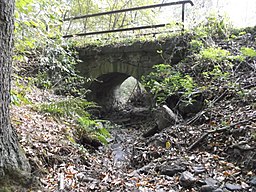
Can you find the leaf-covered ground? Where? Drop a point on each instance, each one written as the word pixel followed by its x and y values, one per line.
pixel 213 150
pixel 167 161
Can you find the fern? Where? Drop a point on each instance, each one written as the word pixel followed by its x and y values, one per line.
pixel 94 128
pixel 76 109
pixel 72 107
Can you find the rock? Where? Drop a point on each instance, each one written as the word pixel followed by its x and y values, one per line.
pixel 253 181
pixel 158 140
pixel 81 177
pixel 187 109
pixel 198 169
pixel 151 132
pixel 89 141
pixel 187 179
pixel 165 117
pixel 171 170
pixel 207 188
pixel 233 187
pixel 212 182
pixel 244 185
pixel 173 100
pixel 218 190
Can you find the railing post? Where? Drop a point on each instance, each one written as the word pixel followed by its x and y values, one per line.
pixel 183 2
pixel 183 17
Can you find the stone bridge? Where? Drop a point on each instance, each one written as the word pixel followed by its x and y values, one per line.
pixel 110 65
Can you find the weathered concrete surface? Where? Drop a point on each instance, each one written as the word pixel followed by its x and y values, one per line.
pixel 112 64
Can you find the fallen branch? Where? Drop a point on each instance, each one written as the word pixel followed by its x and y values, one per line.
pixel 198 141
pixel 171 114
pixel 193 145
pixel 199 114
pixel 242 148
pixel 145 168
pixel 195 118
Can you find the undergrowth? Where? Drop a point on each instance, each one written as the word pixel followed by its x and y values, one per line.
pixel 165 81
pixel 75 111
pixel 208 67
pixel 40 50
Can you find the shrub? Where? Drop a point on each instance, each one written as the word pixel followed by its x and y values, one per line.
pixel 165 81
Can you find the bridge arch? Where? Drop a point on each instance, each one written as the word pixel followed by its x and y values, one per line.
pixel 111 65
pixel 103 88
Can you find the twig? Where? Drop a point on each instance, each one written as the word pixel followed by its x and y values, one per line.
pixel 217 131
pixel 198 141
pixel 199 114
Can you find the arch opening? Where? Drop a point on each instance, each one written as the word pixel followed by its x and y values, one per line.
pixel 115 90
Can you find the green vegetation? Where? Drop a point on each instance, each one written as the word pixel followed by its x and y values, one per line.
pixel 56 70
pixel 215 27
pixel 22 87
pixel 248 52
pixel 71 107
pixel 36 22
pixel 108 22
pixel 165 81
pixel 39 43
pixel 214 54
pixel 211 92
pixel 18 98
pixel 206 67
pixel 74 111
pixel 95 128
pixel 254 135
pixel 39 46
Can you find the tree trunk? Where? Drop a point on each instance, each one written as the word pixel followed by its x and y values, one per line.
pixel 13 164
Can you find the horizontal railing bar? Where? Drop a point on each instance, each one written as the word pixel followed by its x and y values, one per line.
pixel 116 30
pixel 129 9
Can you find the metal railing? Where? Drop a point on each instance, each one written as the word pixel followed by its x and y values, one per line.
pixel 126 10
